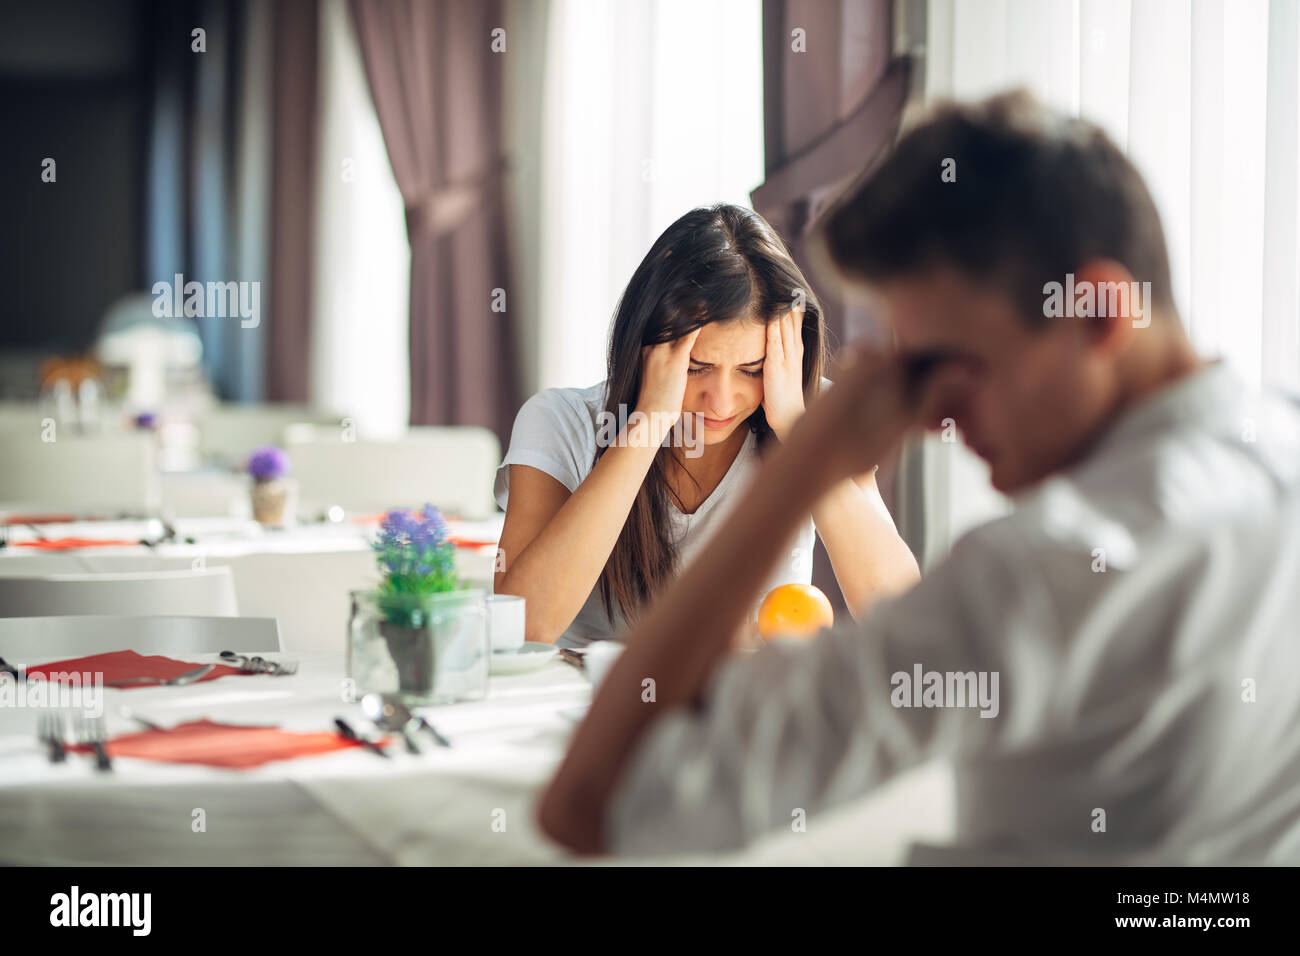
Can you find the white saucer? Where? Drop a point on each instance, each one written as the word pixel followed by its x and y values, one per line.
pixel 527 657
pixel 574 715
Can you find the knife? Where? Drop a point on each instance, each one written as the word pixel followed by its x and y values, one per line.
pixel 346 730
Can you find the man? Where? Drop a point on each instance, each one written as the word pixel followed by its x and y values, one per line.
pixel 1111 667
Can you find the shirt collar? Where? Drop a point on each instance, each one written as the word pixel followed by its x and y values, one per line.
pixel 1212 394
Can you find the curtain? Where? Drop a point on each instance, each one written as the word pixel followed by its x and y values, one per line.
pixel 1204 98
pixel 832 101
pixel 649 108
pixel 833 97
pixel 293 192
pixel 435 70
pixel 359 352
pixel 208 168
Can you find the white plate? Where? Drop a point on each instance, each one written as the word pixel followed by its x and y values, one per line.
pixel 528 657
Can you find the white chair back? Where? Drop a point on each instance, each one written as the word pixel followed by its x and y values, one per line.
pixel 229 433
pixel 206 593
pixel 451 467
pixel 85 475
pixel 26 640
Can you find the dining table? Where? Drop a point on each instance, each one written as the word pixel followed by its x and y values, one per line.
pixel 301 575
pixel 472 803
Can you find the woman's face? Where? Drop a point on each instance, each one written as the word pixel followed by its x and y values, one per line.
pixel 725 380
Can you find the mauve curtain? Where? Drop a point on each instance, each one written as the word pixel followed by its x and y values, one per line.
pixel 828 109
pixel 296 122
pixel 438 85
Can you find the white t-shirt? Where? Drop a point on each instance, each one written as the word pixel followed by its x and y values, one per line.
pixel 555 432
pixel 1140 612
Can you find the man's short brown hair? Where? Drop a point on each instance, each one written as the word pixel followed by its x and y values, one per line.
pixel 1035 194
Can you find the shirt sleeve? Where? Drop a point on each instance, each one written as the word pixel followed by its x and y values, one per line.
pixel 806 727
pixel 554 433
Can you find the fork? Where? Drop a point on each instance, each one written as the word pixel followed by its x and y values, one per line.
pixel 90 730
pixel 49 728
pixel 260 665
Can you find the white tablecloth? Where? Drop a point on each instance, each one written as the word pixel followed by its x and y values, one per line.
pixel 472 804
pixel 300 576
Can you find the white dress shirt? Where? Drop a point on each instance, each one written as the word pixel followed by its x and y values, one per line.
pixel 1141 613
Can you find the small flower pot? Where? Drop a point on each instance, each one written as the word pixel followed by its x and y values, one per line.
pixel 274 501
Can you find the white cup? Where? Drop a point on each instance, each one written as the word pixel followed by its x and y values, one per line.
pixel 599 657
pixel 505 622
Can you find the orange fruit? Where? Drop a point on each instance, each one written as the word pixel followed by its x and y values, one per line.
pixel 794 610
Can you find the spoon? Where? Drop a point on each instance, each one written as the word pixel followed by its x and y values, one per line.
pixel 388 711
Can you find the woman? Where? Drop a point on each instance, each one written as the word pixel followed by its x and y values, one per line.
pixel 609 490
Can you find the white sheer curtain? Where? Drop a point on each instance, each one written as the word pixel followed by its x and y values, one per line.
pixel 359 349
pixel 1205 99
pixel 650 107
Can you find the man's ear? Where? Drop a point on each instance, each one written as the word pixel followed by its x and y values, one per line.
pixel 1116 301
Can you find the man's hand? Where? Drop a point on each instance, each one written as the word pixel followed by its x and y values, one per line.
pixel 873 403
pixel 858 420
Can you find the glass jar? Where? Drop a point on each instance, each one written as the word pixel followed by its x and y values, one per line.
pixel 430 648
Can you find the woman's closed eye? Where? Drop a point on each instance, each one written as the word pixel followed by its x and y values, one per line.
pixel 751 372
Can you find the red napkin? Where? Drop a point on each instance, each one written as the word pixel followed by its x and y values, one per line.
pixel 459 541
pixel 230 746
pixel 68 544
pixel 59 518
pixel 472 542
pixel 119 665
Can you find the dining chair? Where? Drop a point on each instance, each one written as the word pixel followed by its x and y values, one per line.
pixel 228 433
pixel 452 467
pixel 34 638
pixel 209 592
pixel 112 475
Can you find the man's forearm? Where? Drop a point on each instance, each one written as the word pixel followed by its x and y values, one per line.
pixel 680 640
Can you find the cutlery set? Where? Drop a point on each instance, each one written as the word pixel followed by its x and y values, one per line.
pixel 387 712
pixel 260 665
pixel 53 727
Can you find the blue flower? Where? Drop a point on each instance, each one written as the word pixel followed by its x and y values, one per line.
pixel 414 552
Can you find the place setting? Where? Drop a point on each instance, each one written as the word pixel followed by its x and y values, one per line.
pixel 127 669
pixel 202 741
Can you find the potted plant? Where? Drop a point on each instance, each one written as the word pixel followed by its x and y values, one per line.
pixel 431 627
pixel 273 490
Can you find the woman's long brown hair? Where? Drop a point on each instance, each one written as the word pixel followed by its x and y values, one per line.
pixel 714 264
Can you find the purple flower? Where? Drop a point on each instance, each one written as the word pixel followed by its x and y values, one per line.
pixel 146 420
pixel 415 553
pixel 267 463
